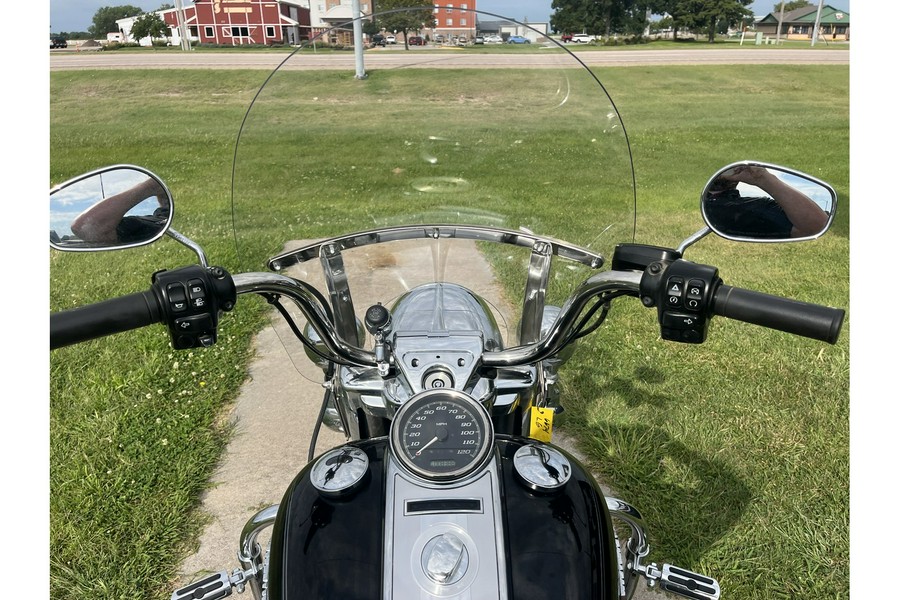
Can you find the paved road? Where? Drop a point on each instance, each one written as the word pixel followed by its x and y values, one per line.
pixel 392 59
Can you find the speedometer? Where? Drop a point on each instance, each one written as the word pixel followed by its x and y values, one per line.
pixel 442 435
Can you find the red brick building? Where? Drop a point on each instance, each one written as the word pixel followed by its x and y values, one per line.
pixel 452 19
pixel 240 22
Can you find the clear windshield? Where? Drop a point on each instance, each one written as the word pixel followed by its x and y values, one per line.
pixel 501 136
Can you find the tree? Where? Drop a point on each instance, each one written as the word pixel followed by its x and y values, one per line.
pixel 105 19
pixel 673 9
pixel 370 27
pixel 568 16
pixel 708 13
pixel 599 17
pixel 149 25
pixel 661 24
pixel 407 20
pixel 789 6
pixel 702 15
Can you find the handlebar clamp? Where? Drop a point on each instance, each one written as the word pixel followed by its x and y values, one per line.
pixel 191 299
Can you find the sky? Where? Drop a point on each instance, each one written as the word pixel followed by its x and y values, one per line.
pixel 77 15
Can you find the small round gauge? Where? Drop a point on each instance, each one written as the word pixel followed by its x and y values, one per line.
pixel 442 435
pixel 541 467
pixel 339 471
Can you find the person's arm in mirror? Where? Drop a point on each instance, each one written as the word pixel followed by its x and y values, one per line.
pixel 805 215
pixel 102 222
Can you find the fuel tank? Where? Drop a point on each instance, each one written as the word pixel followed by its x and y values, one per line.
pixel 555 543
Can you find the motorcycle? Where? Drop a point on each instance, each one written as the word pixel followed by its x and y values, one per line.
pixel 449 484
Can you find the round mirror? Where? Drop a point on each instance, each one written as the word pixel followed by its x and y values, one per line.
pixel 767 203
pixel 116 207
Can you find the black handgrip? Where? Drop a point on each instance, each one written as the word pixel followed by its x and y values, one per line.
pixel 104 318
pixel 791 316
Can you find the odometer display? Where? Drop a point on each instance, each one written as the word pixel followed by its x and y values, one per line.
pixel 441 435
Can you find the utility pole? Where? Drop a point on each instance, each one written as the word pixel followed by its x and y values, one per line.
pixel 358 40
pixel 780 21
pixel 182 28
pixel 818 19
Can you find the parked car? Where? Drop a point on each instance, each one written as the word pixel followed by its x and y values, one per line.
pixel 517 39
pixel 439 38
pixel 390 39
pixel 566 38
pixel 493 39
pixel 583 38
pixel 462 40
pixel 479 39
pixel 378 40
pixel 58 42
pixel 416 40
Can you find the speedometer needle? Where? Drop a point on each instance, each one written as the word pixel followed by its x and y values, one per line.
pixel 422 449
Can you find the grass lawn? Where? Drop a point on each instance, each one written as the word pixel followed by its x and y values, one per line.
pixel 736 451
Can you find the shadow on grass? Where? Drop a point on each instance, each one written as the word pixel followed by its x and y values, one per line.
pixel 689 499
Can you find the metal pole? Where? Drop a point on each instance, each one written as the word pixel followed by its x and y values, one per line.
pixel 818 18
pixel 358 40
pixel 182 28
pixel 780 21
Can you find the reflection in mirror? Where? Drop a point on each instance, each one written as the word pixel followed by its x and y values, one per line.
pixel 759 202
pixel 115 207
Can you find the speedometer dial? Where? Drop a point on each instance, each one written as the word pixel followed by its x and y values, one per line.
pixel 442 435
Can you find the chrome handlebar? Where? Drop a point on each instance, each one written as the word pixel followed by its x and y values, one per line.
pixel 555 340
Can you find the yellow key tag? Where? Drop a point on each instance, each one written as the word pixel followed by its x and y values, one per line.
pixel 541 424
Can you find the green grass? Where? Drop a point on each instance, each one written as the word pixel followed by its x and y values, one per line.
pixel 735 450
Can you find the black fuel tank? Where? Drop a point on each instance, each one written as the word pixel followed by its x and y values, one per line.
pixel 330 547
pixel 561 544
pixel 558 545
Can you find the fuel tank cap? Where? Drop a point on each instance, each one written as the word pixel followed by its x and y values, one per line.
pixel 339 471
pixel 541 468
pixel 445 559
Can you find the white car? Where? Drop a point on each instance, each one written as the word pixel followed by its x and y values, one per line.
pixel 583 38
pixel 390 39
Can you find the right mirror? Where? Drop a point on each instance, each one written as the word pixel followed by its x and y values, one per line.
pixel 757 202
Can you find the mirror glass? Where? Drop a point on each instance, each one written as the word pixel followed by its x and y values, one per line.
pixel 116 207
pixel 759 202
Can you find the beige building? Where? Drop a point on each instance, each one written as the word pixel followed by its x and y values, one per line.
pixel 799 24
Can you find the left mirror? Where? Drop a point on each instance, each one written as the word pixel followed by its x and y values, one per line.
pixel 116 207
